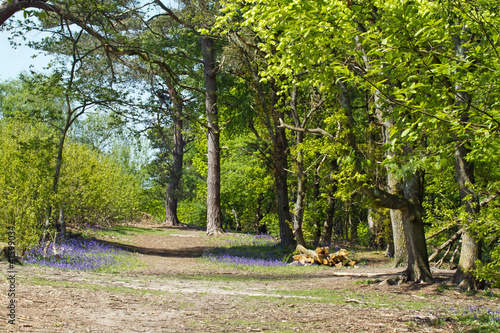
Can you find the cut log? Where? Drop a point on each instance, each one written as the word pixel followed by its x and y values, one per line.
pixel 303 250
pixel 299 256
pixel 322 256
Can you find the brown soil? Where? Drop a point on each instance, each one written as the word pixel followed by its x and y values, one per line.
pixel 176 292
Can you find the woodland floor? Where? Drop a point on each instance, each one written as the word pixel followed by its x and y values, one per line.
pixel 176 292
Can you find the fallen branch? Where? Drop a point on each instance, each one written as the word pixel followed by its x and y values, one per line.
pixel 439 231
pixel 449 242
pixel 352 300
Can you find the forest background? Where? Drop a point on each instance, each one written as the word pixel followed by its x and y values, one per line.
pixel 317 121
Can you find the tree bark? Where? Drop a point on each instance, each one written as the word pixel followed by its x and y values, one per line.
pixel 471 249
pixel 214 213
pixel 10 7
pixel 280 179
pixel 171 198
pixel 298 211
pixel 464 174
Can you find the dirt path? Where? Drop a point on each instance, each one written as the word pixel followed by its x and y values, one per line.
pixel 175 292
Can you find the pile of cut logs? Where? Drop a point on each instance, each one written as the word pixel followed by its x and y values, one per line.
pixel 322 256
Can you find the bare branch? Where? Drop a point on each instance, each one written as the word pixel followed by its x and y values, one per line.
pixel 314 131
pixel 486 201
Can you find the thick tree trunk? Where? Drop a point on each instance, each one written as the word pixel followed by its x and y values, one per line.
pixel 471 249
pixel 464 174
pixel 280 145
pixel 418 264
pixel 270 116
pixel 398 238
pixel 409 202
pixel 280 179
pixel 400 252
pixel 214 213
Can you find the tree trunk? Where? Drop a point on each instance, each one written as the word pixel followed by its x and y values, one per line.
pixel 171 199
pixel 57 174
pixel 418 263
pixel 409 202
pixel 280 145
pixel 471 249
pixel 378 239
pixel 62 223
pixel 464 174
pixel 258 215
pixel 326 235
pixel 298 211
pixel 316 198
pixel 214 213
pixel 236 219
pixel 280 179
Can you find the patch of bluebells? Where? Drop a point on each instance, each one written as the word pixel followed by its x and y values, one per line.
pixel 259 250
pixel 74 253
pixel 478 314
pixel 227 258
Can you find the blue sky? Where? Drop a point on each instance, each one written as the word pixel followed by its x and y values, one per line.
pixel 14 61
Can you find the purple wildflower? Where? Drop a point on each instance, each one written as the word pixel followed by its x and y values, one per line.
pixel 74 253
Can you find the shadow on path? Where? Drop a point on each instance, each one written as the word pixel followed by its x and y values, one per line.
pixel 186 252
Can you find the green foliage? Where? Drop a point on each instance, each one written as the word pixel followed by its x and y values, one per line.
pixel 93 189
pixel 25 179
pixel 35 97
pixel 413 61
pixel 363 234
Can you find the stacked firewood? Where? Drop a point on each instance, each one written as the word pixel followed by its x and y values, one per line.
pixel 322 256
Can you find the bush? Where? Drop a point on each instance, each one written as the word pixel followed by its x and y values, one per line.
pixel 92 188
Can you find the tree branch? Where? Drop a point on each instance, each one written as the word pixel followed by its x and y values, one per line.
pixel 314 131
